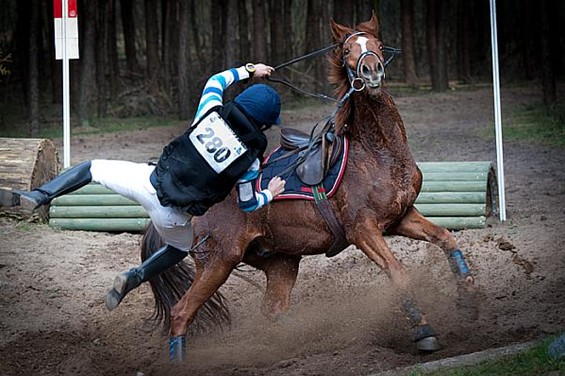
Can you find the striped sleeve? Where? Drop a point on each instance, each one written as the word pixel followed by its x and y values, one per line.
pixel 248 198
pixel 212 95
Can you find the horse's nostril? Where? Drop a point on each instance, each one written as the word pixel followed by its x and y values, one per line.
pixel 365 70
pixel 380 68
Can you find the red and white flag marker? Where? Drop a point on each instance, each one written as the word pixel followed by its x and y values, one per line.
pixel 66 47
pixel 66 29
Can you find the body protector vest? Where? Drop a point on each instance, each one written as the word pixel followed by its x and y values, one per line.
pixel 199 168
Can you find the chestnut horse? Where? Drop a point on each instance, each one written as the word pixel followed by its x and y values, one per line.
pixel 376 195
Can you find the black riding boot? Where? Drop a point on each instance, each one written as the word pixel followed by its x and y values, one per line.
pixel 69 181
pixel 157 263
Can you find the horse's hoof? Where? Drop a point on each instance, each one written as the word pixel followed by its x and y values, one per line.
pixel 428 344
pixel 284 319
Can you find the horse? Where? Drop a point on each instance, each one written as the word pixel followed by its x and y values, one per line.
pixel 375 198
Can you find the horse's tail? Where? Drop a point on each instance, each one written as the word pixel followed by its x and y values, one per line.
pixel 169 286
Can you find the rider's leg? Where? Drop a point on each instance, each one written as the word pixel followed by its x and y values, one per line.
pixel 132 180
pixel 157 263
pixel 174 227
pixel 70 180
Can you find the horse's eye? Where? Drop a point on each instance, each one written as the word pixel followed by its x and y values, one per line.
pixel 381 47
pixel 346 52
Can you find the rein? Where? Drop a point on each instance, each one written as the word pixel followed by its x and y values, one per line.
pixel 353 80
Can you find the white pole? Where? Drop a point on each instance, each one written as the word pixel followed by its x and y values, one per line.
pixel 66 94
pixel 497 115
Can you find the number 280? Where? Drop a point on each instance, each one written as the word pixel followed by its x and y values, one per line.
pixel 214 145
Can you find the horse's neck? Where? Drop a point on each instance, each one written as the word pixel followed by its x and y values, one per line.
pixel 376 123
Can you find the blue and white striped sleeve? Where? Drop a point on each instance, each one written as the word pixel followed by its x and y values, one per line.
pixel 248 198
pixel 212 95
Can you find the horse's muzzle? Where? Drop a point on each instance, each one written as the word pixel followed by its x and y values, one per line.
pixel 372 71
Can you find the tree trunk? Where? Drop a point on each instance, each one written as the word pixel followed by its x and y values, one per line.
pixel 442 28
pixel 101 62
pixel 314 42
pixel 55 77
pixel 26 163
pixel 277 31
pixel 436 49
pixel 244 43
pixel 363 10
pixel 464 41
pixel 197 40
pixel 33 83
pixel 218 16
pixel 288 40
pixel 547 69
pixel 260 31
pixel 184 61
pixel 231 56
pixel 112 48
pixel 169 21
pixel 408 52
pixel 344 12
pixel 128 25
pixel 87 77
pixel 152 46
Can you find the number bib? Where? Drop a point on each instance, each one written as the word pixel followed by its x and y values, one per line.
pixel 216 142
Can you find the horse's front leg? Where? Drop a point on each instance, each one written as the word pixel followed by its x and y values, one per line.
pixel 368 237
pixel 414 225
pixel 208 279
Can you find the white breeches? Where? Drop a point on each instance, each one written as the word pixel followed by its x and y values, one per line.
pixel 131 180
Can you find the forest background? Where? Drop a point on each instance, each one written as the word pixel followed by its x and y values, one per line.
pixel 150 58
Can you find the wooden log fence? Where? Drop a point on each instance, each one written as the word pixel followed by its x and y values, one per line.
pixel 455 195
pixel 458 195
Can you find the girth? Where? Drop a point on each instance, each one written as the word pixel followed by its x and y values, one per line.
pixel 325 208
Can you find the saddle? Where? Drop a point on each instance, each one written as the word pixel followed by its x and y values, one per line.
pixel 318 153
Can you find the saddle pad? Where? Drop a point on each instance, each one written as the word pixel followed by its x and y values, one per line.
pixel 294 188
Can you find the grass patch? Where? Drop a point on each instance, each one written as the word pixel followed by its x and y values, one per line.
pixel 533 361
pixel 537 124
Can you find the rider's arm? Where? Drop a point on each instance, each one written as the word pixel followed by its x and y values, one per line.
pixel 212 95
pixel 213 92
pixel 248 198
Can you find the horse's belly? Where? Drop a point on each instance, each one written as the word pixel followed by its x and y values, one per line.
pixel 298 231
pixel 301 241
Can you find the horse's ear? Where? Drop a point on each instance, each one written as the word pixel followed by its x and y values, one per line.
pixel 371 26
pixel 339 31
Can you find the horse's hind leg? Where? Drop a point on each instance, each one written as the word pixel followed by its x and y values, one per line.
pixel 281 272
pixel 414 225
pixel 208 279
pixel 368 237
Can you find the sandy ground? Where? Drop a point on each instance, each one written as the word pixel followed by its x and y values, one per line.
pixel 345 318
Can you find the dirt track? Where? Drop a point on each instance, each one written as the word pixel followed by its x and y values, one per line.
pixel 346 321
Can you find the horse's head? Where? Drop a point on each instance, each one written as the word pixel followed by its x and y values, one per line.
pixel 358 60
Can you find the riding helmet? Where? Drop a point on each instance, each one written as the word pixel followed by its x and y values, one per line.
pixel 262 103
